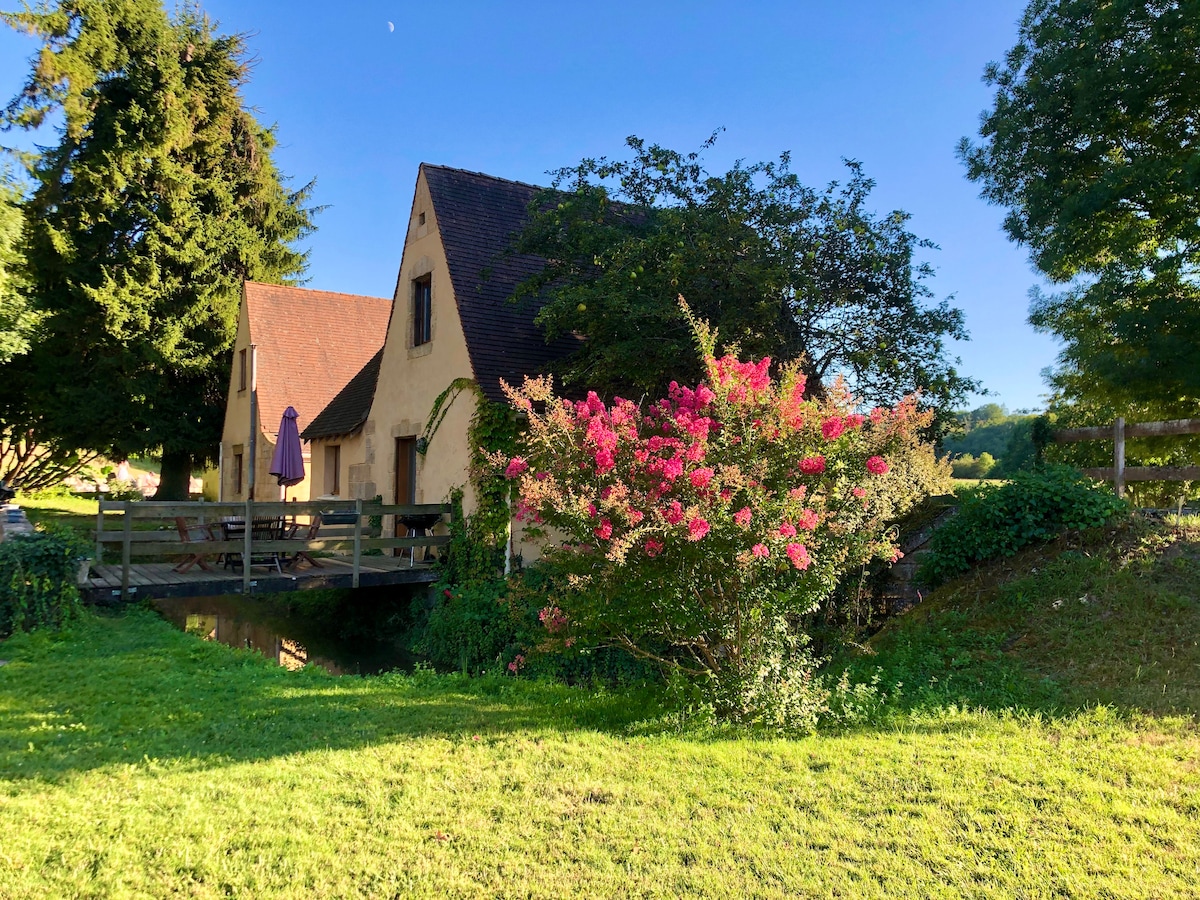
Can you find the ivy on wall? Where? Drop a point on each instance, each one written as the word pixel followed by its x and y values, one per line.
pixel 477 543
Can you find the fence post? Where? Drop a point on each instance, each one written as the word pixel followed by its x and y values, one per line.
pixel 247 548
pixel 1119 456
pixel 126 543
pixel 99 530
pixel 358 512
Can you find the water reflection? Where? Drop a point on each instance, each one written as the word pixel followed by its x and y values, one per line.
pixel 291 639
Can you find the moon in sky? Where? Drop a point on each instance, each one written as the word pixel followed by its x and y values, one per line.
pixel 391 27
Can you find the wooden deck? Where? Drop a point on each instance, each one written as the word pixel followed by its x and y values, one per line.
pixel 154 580
pixel 349 530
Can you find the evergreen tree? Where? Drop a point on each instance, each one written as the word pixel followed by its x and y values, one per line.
pixel 16 320
pixel 159 199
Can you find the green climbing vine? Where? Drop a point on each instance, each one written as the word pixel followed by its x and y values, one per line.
pixel 477 543
pixel 441 405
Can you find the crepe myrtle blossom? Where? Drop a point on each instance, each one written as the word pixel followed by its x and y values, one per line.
pixel 877 465
pixel 740 499
pixel 697 528
pixel 812 465
pixel 798 554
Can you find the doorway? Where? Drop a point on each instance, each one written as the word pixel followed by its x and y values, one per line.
pixel 405 481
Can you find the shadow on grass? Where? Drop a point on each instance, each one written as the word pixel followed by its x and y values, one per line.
pixel 132 690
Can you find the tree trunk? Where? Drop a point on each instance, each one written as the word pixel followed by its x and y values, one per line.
pixel 175 477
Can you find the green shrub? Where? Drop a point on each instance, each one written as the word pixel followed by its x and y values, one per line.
pixel 998 520
pixel 967 466
pixel 473 628
pixel 38 581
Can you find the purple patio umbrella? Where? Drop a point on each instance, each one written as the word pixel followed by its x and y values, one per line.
pixel 287 464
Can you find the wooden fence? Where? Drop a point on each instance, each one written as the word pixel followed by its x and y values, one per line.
pixel 331 537
pixel 1118 474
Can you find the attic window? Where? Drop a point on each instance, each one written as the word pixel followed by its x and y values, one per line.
pixel 420 218
pixel 241 370
pixel 422 310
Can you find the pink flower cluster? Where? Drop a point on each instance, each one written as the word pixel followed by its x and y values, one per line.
pixel 553 618
pixel 751 471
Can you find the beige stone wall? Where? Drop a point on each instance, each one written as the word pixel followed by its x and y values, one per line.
pixel 355 480
pixel 411 378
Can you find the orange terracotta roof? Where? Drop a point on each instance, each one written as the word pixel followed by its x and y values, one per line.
pixel 310 344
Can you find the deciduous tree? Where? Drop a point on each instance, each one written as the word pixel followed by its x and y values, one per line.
pixel 1092 146
pixel 783 271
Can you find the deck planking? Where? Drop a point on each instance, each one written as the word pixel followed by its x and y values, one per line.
pixel 157 580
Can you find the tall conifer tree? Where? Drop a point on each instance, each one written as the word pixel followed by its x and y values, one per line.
pixel 159 199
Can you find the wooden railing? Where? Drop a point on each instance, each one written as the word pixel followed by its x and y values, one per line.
pixel 331 536
pixel 1118 474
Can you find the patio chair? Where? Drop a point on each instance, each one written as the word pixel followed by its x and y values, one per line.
pixel 269 529
pixel 192 534
pixel 310 535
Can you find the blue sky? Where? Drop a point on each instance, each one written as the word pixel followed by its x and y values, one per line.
pixel 516 90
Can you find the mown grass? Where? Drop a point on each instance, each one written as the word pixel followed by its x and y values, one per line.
pixel 139 761
pixel 1111 617
pixel 78 513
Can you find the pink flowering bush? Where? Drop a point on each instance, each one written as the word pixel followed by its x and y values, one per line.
pixel 702 529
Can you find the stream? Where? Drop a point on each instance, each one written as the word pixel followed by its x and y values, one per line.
pixel 345 637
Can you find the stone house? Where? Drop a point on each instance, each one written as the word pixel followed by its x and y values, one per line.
pixel 452 318
pixel 307 346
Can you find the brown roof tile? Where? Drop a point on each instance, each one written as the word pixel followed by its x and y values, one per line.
pixel 348 411
pixel 478 216
pixel 310 345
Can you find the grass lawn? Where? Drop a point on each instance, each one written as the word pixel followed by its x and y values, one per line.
pixel 137 761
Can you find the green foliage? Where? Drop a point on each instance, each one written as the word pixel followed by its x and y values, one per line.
pixel 1091 145
pixel 470 556
pixel 494 429
pixel 16 319
pixel 38 580
pixel 782 270
pixel 491 624
pixel 472 629
pixel 967 466
pixel 156 201
pixel 998 520
pixel 990 430
pixel 476 549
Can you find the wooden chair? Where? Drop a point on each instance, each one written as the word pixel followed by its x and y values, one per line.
pixel 268 529
pixel 191 534
pixel 311 535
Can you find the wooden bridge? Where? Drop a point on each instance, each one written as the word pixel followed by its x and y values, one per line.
pixel 205 561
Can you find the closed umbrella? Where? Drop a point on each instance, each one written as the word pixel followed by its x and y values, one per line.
pixel 287 464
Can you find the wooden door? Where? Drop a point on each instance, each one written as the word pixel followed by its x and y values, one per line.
pixel 406 481
pixel 406 471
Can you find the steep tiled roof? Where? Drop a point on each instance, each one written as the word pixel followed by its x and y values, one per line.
pixel 347 412
pixel 310 345
pixel 478 216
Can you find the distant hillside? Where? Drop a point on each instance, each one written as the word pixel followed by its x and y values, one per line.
pixel 991 430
